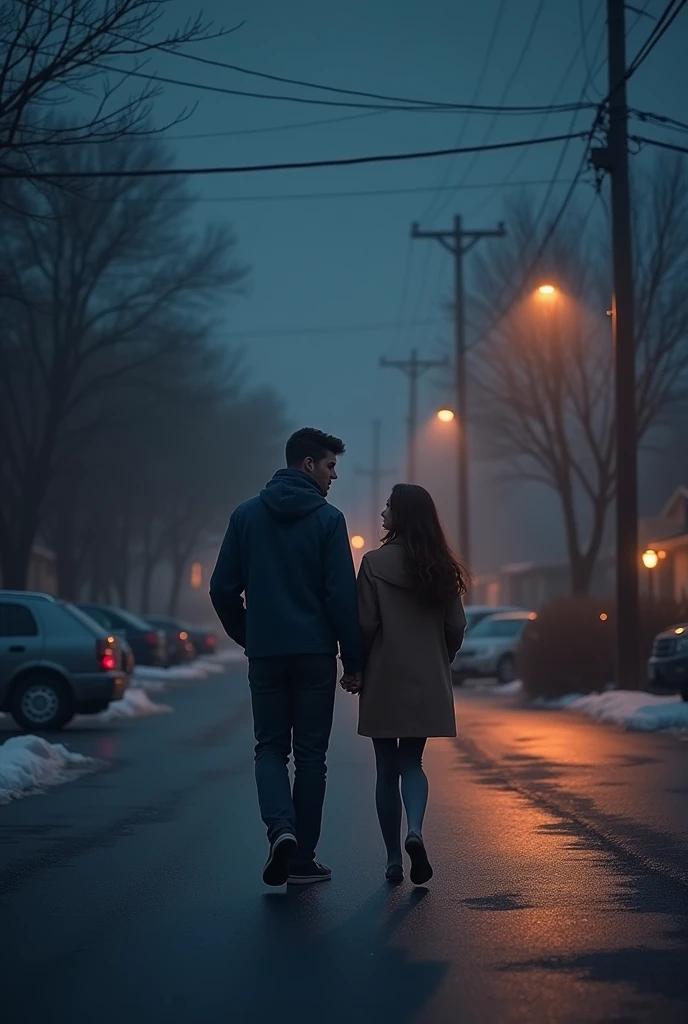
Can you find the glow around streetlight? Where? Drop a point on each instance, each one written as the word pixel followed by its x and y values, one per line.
pixel 547 290
pixel 650 559
pixel 357 542
pixel 446 415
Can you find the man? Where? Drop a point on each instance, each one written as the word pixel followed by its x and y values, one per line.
pixel 284 589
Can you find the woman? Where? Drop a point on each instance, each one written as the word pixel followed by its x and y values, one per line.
pixel 413 624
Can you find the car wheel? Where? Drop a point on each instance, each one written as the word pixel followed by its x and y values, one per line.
pixel 506 669
pixel 42 703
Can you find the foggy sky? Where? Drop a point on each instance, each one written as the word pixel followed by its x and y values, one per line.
pixel 349 261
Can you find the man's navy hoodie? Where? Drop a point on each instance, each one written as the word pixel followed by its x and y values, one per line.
pixel 284 582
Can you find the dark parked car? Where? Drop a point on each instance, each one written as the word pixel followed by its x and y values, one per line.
pixel 668 665
pixel 180 647
pixel 148 643
pixel 55 662
pixel 203 640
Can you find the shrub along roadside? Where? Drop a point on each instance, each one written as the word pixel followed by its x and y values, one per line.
pixel 570 647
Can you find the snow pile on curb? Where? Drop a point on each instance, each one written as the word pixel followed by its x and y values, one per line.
pixel 29 764
pixel 134 704
pixel 202 668
pixel 631 709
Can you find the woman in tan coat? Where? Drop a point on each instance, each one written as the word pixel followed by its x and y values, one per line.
pixel 413 622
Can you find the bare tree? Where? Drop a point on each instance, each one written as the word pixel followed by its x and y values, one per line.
pixel 102 285
pixel 544 374
pixel 53 51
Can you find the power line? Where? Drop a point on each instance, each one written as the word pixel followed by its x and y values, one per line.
pixel 474 97
pixel 296 165
pixel 505 92
pixel 664 23
pixel 207 61
pixel 659 119
pixel 309 101
pixel 562 82
pixel 356 193
pixel 661 145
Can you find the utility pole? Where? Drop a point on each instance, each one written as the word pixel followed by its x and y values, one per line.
pixel 376 474
pixel 458 242
pixel 614 159
pixel 414 368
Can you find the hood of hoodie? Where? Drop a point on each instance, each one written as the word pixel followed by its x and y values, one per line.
pixel 388 564
pixel 292 495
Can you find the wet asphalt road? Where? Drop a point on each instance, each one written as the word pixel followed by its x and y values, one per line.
pixel 560 895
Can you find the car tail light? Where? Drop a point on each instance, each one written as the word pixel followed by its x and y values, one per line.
pixel 152 639
pixel 211 640
pixel 105 652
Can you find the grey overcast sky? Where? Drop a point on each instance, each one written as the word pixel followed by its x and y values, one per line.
pixel 346 262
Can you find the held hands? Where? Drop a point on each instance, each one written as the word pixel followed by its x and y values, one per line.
pixel 352 682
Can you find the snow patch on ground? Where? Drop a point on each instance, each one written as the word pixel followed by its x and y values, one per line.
pixel 202 668
pixel 29 765
pixel 635 710
pixel 134 704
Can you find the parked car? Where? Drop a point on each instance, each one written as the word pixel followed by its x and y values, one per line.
pixel 55 662
pixel 668 665
pixel 475 613
pixel 489 650
pixel 180 647
pixel 203 640
pixel 148 643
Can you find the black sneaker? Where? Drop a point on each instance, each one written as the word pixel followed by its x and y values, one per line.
pixel 305 874
pixel 421 870
pixel 282 850
pixel 395 874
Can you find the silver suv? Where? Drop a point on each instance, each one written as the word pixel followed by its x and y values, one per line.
pixel 55 662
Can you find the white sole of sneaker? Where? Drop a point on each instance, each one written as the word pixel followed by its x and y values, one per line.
pixel 302 880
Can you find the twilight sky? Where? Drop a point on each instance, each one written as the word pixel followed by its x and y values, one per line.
pixel 330 275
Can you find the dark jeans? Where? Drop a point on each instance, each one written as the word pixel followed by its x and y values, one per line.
pixel 293 704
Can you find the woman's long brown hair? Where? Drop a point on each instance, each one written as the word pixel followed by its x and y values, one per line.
pixel 437 574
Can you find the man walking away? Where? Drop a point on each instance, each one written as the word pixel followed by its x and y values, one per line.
pixel 284 589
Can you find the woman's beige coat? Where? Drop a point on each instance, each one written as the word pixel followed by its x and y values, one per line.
pixel 407 683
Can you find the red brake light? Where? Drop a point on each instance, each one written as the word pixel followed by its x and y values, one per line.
pixel 152 639
pixel 211 640
pixel 106 655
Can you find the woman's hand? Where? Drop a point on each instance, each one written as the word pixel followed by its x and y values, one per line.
pixel 352 682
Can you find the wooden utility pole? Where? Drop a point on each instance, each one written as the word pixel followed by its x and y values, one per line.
pixel 376 474
pixel 414 368
pixel 614 159
pixel 458 242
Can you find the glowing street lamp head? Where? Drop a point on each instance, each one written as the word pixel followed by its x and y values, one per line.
pixel 357 542
pixel 446 415
pixel 547 290
pixel 650 559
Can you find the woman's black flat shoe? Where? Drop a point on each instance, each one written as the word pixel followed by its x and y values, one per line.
pixel 421 869
pixel 395 873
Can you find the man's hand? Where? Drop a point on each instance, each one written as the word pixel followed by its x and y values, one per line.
pixel 352 682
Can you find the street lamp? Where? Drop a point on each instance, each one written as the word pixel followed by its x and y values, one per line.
pixel 547 290
pixel 650 558
pixel 446 415
pixel 358 542
pixel 650 561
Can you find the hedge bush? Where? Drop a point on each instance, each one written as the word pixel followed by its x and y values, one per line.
pixel 569 647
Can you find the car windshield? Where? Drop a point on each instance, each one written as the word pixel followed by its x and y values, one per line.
pixel 494 627
pixel 473 617
pixel 93 625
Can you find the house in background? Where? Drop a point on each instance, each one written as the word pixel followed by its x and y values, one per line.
pixel 532 584
pixel 668 580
